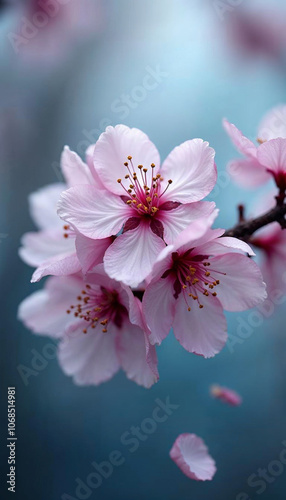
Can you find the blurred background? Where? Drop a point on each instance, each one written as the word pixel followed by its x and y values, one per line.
pixel 68 69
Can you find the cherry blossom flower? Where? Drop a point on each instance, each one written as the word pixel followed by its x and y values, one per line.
pixel 257 33
pixel 265 161
pixel 226 395
pixel 56 249
pixel 99 323
pixel 151 204
pixel 191 455
pixel 193 281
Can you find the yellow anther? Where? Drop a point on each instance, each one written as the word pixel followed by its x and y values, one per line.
pixel 119 181
pixel 129 157
pixel 148 199
pixel 188 278
pixel 126 164
pixel 153 165
pixel 84 331
pixel 127 176
pixel 129 202
pixel 184 287
pixel 195 280
pixel 201 306
pixel 145 170
pixel 189 309
pixel 211 287
pixel 207 273
pixel 192 270
pixel 170 181
pixel 214 294
pixel 140 166
pixel 206 293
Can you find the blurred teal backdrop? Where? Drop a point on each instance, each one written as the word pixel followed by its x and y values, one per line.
pixel 69 99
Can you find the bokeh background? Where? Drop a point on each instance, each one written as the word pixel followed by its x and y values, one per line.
pixel 64 85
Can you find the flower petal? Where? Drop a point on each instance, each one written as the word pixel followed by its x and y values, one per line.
pixel 74 169
pixel 132 352
pixel 242 143
pixel 241 287
pixel 44 312
pixel 159 309
pixel 273 124
pixel 89 358
pixel 222 245
pixel 43 206
pixel 272 155
pixel 248 173
pixel 192 169
pixel 90 252
pixel 201 331
pixel 38 247
pixel 112 149
pixel 191 455
pixel 60 265
pixel 131 257
pixel 175 221
pixel 226 395
pixel 94 213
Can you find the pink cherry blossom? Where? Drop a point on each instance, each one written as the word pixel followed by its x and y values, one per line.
pixel 226 395
pixel 265 161
pixel 56 248
pixel 100 326
pixel 191 455
pixel 151 204
pixel 193 281
pixel 257 33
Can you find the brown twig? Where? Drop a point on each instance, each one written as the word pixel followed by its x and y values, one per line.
pixel 244 230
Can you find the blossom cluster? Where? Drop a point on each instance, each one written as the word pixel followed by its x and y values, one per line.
pixel 131 253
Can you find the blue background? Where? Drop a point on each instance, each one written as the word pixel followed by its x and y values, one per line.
pixel 62 428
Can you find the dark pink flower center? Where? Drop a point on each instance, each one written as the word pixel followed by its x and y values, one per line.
pixel 143 198
pixel 99 306
pixel 193 277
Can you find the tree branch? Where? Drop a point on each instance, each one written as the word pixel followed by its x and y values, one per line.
pixel 244 230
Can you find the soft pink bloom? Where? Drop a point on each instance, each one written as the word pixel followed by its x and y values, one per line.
pixel 46 31
pixel 261 162
pixel 56 249
pixel 257 33
pixel 193 281
pixel 225 395
pixel 152 204
pixel 100 325
pixel 191 455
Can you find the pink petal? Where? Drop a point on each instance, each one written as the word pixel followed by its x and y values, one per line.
pixel 242 286
pixel 242 143
pixel 112 149
pixel 89 358
pixel 94 213
pixel 60 265
pixel 159 309
pixel 272 154
pixel 224 245
pixel 44 312
pixel 226 395
pixel 248 173
pixel 197 233
pixel 191 455
pixel 43 206
pixel 273 124
pixel 201 331
pixel 132 352
pixel 38 247
pixel 90 252
pixel 175 221
pixel 74 169
pixel 131 257
pixel 192 169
